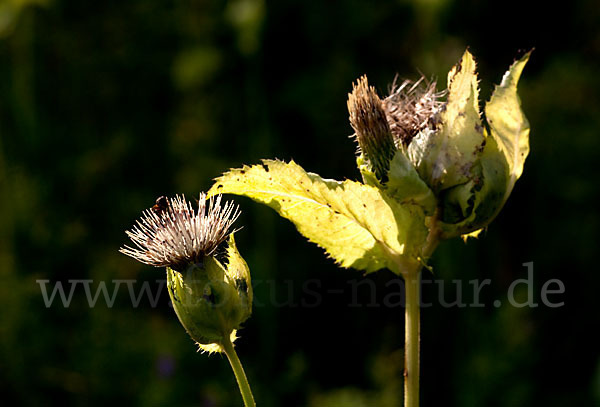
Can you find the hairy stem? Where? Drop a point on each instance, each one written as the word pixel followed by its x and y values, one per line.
pixel 238 370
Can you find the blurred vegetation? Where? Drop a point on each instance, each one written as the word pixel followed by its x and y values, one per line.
pixel 106 105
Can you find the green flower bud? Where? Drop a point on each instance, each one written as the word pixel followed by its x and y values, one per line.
pixel 210 299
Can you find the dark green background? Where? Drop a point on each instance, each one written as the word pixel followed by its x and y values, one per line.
pixel 106 105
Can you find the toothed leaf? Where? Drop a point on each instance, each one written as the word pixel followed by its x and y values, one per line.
pixel 358 225
pixel 501 162
pixel 446 157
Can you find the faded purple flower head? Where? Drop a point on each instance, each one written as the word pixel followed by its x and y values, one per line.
pixel 382 127
pixel 410 107
pixel 372 131
pixel 173 234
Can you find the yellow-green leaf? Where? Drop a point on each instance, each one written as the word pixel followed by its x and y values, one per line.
pixel 368 176
pixel 478 201
pixel 508 124
pixel 405 185
pixel 446 157
pixel 358 225
pixel 502 160
pixel 238 273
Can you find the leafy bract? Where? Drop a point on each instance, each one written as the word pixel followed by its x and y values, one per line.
pixel 357 224
pixel 368 176
pixel 238 273
pixel 478 201
pixel 403 182
pixel 501 161
pixel 508 124
pixel 405 185
pixel 446 157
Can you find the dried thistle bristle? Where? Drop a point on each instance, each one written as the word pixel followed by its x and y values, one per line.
pixel 176 235
pixel 372 131
pixel 410 108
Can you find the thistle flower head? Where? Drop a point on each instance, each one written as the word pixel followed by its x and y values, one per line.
pixel 173 234
pixel 410 107
pixel 368 119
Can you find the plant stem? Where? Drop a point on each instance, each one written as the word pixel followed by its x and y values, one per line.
pixel 238 370
pixel 412 340
pixel 412 317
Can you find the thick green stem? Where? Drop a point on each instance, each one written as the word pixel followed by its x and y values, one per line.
pixel 238 370
pixel 412 340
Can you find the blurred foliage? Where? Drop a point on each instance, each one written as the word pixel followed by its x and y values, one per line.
pixel 106 105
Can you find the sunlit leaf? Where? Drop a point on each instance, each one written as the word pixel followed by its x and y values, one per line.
pixel 508 124
pixel 358 225
pixel 403 182
pixel 238 272
pixel 469 207
pixel 446 157
pixel 405 185
pixel 477 202
pixel 472 235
